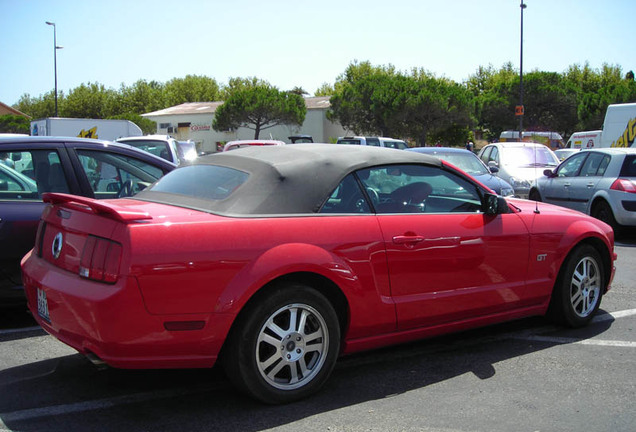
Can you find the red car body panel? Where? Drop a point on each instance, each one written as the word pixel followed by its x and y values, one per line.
pixel 185 275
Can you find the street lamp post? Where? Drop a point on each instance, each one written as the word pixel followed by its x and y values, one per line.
pixel 55 48
pixel 521 111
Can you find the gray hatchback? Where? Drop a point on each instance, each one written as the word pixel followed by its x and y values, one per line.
pixel 600 182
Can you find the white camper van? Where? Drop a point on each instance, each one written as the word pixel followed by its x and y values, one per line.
pixel 619 127
pixel 583 140
pixel 103 129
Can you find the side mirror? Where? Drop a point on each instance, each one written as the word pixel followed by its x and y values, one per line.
pixel 495 204
pixel 494 169
pixel 493 164
pixel 549 173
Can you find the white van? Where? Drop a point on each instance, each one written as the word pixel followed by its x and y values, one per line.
pixel 619 127
pixel 553 140
pixel 374 141
pixel 583 140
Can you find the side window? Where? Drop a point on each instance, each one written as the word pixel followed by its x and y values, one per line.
pixel 26 175
pixel 595 165
pixel 571 166
pixel 486 154
pixel 603 165
pixel 110 173
pixel 494 156
pixel 373 142
pixel 346 198
pixel 419 189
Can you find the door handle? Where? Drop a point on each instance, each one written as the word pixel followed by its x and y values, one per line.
pixel 404 239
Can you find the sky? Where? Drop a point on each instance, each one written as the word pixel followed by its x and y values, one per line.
pixel 298 43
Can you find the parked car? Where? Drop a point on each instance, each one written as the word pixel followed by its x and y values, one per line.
pixel 471 164
pixel 96 169
pixel 374 141
pixel 301 139
pixel 164 146
pixel 519 163
pixel 275 260
pixel 600 182
pixel 233 145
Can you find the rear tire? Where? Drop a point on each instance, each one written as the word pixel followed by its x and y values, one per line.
pixel 285 345
pixel 602 211
pixel 579 287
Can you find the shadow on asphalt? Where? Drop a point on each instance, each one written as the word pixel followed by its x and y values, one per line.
pixel 192 400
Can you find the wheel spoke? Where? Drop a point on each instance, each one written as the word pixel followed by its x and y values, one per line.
pixel 276 329
pixel 303 320
pixel 264 337
pixel 272 374
pixel 293 319
pixel 303 367
pixel 577 298
pixel 264 365
pixel 313 336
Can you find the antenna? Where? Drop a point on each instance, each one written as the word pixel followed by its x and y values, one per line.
pixel 536 203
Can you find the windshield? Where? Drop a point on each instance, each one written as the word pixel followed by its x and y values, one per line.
pixel 528 156
pixel 465 161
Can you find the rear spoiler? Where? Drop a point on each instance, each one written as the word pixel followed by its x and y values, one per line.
pixel 99 207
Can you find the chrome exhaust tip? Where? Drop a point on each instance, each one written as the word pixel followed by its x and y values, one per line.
pixel 97 362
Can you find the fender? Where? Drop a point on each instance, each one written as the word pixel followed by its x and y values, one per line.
pixel 366 280
pixel 575 233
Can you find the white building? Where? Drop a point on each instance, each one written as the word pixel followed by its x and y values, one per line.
pixel 193 121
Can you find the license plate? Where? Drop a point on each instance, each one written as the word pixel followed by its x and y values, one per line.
pixel 43 305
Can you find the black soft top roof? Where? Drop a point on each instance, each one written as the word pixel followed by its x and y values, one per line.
pixel 287 179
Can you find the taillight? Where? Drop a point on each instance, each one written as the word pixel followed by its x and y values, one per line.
pixel 100 260
pixel 39 238
pixel 623 185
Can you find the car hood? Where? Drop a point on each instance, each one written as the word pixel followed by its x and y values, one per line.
pixel 493 182
pixel 528 173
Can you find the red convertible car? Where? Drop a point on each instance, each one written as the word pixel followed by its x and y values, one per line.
pixel 276 260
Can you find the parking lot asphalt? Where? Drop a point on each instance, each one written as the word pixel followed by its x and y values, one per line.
pixel 528 375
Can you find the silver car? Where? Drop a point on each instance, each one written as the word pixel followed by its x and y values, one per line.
pixel 519 163
pixel 600 182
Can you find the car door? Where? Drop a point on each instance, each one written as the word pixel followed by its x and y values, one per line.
pixel 557 188
pixel 447 260
pixel 583 185
pixel 36 168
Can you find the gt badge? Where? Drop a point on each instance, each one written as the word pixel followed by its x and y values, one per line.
pixel 542 257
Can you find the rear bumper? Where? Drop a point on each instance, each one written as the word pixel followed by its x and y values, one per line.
pixel 112 323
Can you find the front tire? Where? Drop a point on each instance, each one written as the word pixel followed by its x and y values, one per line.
pixel 285 345
pixel 579 288
pixel 534 195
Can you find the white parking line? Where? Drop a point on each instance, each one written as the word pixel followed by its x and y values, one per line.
pixel 614 315
pixel 563 340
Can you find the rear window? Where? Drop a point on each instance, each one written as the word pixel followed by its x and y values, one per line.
pixel 629 166
pixel 208 182
pixel 349 141
pixel 157 148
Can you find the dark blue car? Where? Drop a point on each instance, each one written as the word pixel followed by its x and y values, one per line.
pixel 471 164
pixel 31 166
